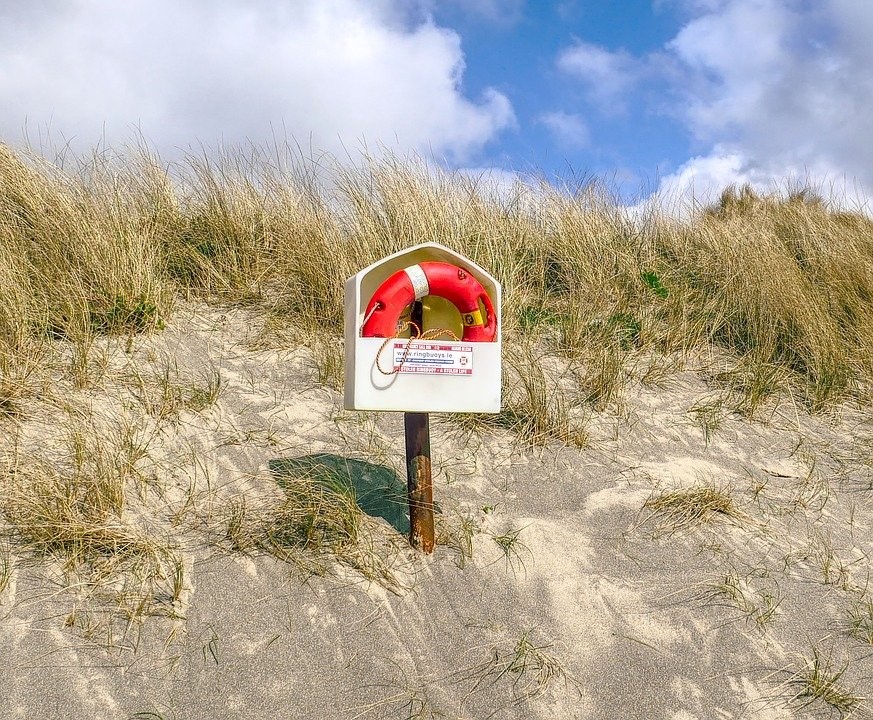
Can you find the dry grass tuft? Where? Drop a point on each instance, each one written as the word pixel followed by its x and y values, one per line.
pixel 820 679
pixel 757 604
pixel 687 508
pixel 84 246
pixel 74 511
pixel 6 567
pixel 316 525
pixel 531 668
pixel 859 620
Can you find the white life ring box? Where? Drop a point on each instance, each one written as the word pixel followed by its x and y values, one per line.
pixel 437 373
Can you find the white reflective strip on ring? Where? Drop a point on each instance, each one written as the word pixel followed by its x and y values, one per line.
pixel 419 281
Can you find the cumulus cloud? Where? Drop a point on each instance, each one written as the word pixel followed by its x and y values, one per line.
pixel 699 181
pixel 333 74
pixel 607 75
pixel 771 92
pixel 570 130
pixel 782 88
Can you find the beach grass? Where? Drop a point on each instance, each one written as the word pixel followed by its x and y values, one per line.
pixel 820 679
pixel 775 292
pixel 781 284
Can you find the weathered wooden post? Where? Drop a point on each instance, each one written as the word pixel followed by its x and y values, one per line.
pixel 419 483
pixel 422 334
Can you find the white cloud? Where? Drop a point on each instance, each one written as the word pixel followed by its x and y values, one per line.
pixel 334 74
pixel 570 130
pixel 608 76
pixel 700 180
pixel 731 58
pixel 782 89
pixel 771 92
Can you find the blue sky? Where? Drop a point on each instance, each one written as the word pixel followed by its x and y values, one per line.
pixel 675 97
pixel 520 57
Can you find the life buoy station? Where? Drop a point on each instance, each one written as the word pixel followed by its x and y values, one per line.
pixel 423 334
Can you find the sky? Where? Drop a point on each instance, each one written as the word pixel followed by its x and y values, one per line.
pixel 671 98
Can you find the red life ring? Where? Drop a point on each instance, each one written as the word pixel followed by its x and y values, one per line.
pixel 448 281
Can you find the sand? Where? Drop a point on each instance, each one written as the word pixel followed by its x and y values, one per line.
pixel 599 608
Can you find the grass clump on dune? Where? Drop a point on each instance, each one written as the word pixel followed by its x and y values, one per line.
pixel 786 285
pixel 73 510
pixel 316 524
pixel 688 508
pixel 820 678
pixel 859 620
pixel 84 247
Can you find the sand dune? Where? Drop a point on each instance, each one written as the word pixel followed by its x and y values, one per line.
pixel 597 582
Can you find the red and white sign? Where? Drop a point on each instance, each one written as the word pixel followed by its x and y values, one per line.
pixel 425 358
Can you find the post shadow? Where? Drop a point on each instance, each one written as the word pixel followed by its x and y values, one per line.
pixel 377 489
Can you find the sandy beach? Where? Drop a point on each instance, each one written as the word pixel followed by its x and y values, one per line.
pixel 567 582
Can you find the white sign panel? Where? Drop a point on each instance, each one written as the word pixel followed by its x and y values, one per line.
pixel 426 358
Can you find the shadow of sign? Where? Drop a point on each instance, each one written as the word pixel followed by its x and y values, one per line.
pixel 377 489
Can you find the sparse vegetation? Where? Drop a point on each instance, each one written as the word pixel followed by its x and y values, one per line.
pixel 328 361
pixel 5 567
pixel 317 524
pixel 709 416
pixel 406 698
pixel 820 679
pixel 757 604
pixel 165 395
pixel 859 620
pixel 511 546
pixel 834 570
pixel 532 668
pixel 456 532
pixel 687 508
pixel 114 456
pixel 71 507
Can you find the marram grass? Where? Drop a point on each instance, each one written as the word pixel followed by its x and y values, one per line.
pixel 781 288
pixel 782 285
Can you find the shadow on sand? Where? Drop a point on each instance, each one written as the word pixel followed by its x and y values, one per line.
pixel 377 489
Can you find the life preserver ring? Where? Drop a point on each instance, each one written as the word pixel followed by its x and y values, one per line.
pixel 445 280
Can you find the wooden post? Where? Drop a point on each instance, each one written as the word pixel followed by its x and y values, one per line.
pixel 416 426
pixel 420 489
